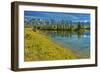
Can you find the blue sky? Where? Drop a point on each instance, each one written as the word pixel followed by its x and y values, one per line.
pixel 82 17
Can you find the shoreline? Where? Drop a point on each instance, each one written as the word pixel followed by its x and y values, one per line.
pixel 39 47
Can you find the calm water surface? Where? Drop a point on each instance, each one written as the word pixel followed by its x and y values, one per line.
pixel 79 42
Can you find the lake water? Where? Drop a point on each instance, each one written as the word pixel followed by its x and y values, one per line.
pixel 79 42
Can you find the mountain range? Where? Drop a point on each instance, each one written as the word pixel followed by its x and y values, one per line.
pixel 57 16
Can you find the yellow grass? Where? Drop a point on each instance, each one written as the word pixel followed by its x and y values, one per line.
pixel 39 47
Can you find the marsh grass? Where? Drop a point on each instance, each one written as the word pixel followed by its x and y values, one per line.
pixel 38 47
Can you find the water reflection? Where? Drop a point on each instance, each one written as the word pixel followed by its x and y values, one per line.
pixel 68 34
pixel 78 41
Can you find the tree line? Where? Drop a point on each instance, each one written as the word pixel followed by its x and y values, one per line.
pixel 38 24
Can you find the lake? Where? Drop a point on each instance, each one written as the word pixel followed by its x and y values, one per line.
pixel 79 42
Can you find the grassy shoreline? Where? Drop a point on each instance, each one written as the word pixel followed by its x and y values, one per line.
pixel 38 47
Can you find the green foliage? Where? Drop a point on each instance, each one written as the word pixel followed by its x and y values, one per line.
pixel 38 24
pixel 69 27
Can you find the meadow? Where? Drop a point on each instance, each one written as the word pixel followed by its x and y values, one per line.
pixel 38 47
